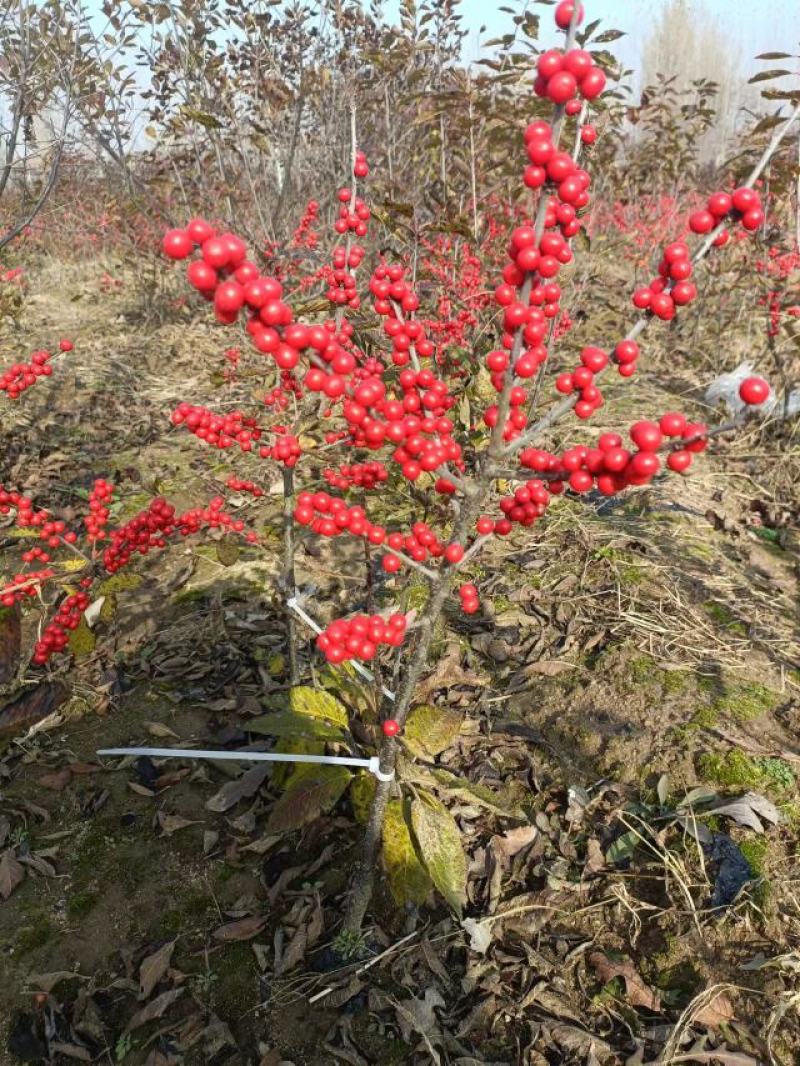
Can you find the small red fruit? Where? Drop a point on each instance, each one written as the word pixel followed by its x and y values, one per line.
pixel 177 244
pixel 390 728
pixel 754 391
pixel 564 13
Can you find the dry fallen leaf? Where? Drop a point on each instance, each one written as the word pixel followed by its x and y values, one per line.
pixel 715 1013
pixel 549 667
pixel 156 729
pixel 637 991
pixel 153 1010
pixel 242 788
pixel 171 823
pixel 172 778
pixel 12 874
pixel 56 781
pixel 244 929
pixel 153 969
pixel 511 843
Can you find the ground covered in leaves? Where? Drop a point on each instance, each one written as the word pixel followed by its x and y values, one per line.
pixel 625 708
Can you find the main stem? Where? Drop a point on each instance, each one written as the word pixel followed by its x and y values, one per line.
pixel 364 873
pixel 475 494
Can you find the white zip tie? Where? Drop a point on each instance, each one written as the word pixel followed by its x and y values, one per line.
pixel 372 764
pixel 293 605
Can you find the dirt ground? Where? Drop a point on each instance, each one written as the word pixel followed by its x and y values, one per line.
pixel 627 655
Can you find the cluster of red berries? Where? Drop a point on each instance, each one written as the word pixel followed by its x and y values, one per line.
pixel 352 220
pixel 147 530
pixel 55 637
pixel 417 423
pixel 286 449
pixel 329 516
pixel 361 636
pixel 610 467
pixel 238 485
pixel 153 527
pixel 220 431
pixel 420 543
pixel 279 397
pixel 35 555
pixel 22 585
pixel 527 504
pixel 470 604
pixel 360 165
pixel 672 288
pixel 53 531
pixel 341 282
pixel 395 299
pixel 99 499
pixel 389 287
pixel 225 275
pixel 21 376
pixel 360 475
pixel 563 76
pixel 305 236
pixel 593 361
pixel 547 163
pixel 744 205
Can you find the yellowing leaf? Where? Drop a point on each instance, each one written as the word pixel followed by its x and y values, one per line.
pixel 317 704
pixel 429 730
pixel 440 848
pixel 228 551
pixel 502 800
pixel 362 793
pixel 408 879
pixel 284 771
pixel 71 566
pixel 311 790
pixel 82 641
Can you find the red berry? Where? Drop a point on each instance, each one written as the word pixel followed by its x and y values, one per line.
pixel 564 13
pixel 454 553
pixel 672 424
pixel 177 244
pixel 390 728
pixel 679 461
pixel 720 204
pixel 754 391
pixel 561 87
pixel 646 436
pixel 745 200
pixel 593 83
pixel 702 222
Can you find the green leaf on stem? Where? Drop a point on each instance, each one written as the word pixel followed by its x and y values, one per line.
pixel 289 724
pixel 439 843
pixel 408 879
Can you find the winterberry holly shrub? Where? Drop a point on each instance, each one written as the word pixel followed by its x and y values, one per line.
pixel 365 402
